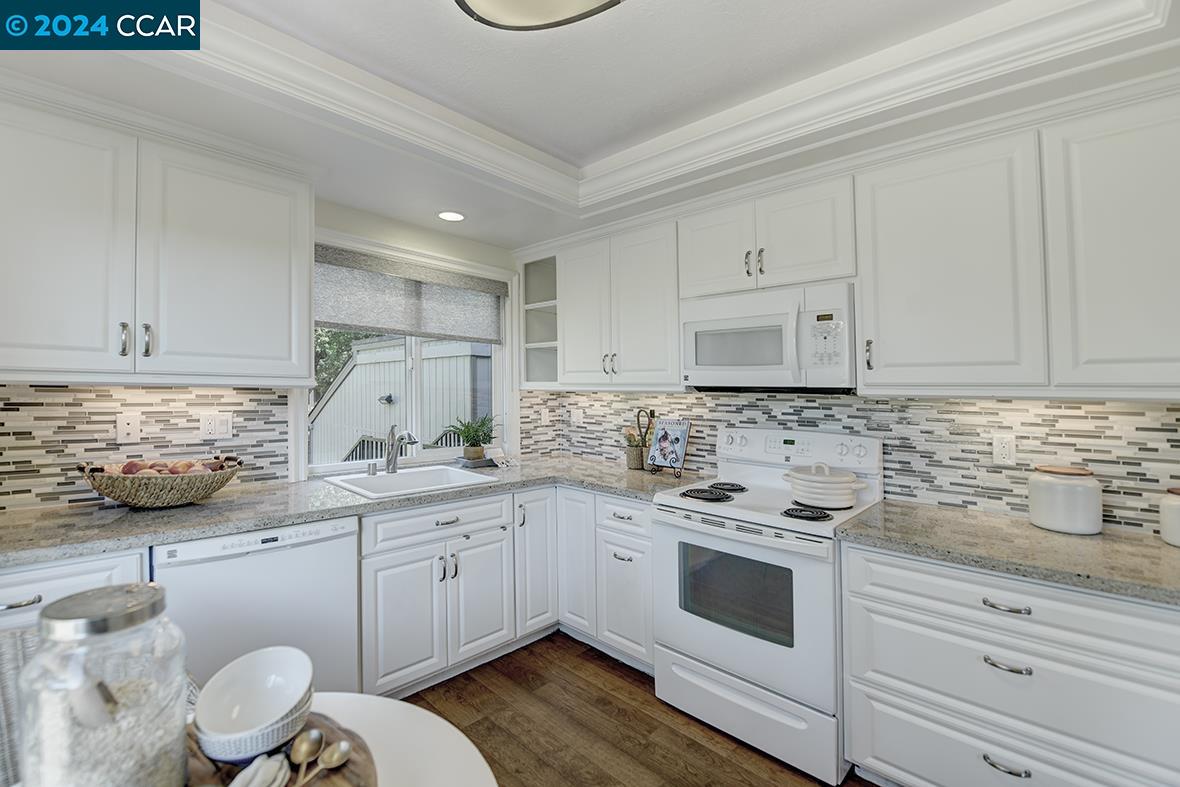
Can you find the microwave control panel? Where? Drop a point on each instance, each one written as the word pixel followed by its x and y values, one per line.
pixel 824 339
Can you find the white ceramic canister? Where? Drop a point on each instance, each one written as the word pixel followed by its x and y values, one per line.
pixel 1065 499
pixel 1170 517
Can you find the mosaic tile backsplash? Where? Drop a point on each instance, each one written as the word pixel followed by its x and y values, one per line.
pixel 936 450
pixel 46 430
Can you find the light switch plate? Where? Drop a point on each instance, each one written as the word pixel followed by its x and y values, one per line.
pixel 576 416
pixel 127 428
pixel 217 425
pixel 1004 449
pixel 545 417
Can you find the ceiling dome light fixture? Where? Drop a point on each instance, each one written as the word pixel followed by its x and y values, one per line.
pixel 532 14
pixel 450 215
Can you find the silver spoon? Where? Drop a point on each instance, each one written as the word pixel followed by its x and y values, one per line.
pixel 333 757
pixel 307 747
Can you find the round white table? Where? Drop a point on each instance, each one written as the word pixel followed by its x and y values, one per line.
pixel 410 745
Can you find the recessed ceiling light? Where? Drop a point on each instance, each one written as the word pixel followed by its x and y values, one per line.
pixel 532 14
pixel 450 215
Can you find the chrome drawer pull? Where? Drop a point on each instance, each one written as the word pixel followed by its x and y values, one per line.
pixel 443 560
pixel 988 660
pixel 147 340
pixel 621 517
pixel 627 559
pixel 987 602
pixel 748 255
pixel 444 522
pixel 455 572
pixel 1022 774
pixel 29 602
pixel 524 515
pixel 124 339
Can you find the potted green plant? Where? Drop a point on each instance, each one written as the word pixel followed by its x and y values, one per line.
pixel 474 435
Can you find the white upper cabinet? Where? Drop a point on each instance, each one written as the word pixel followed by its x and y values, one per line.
pixel 951 270
pixel 67 219
pixel 805 234
pixel 800 235
pixel 583 319
pixel 618 311
pixel 1112 203
pixel 645 324
pixel 224 267
pixel 717 251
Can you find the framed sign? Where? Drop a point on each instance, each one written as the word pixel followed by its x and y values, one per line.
pixel 669 443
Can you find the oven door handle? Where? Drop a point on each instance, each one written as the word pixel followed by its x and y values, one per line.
pixel 795 543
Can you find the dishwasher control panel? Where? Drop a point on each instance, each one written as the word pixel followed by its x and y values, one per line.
pixel 242 543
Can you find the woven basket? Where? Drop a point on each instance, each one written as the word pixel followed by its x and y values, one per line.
pixel 159 491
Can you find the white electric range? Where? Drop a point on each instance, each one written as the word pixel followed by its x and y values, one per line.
pixel 745 594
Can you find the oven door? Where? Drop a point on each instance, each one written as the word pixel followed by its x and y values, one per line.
pixel 763 613
pixel 737 341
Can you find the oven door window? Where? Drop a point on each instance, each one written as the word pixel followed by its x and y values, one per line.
pixel 742 594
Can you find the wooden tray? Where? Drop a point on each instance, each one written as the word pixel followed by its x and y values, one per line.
pixel 359 771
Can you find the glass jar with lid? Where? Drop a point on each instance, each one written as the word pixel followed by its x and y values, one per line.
pixel 103 698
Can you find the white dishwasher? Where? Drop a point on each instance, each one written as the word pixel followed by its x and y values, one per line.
pixel 287 586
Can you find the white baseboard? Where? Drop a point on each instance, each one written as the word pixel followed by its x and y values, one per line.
pixel 874 778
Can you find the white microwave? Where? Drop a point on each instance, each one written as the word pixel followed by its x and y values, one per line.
pixel 787 338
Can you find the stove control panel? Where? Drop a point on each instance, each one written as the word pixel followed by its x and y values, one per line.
pixel 774 446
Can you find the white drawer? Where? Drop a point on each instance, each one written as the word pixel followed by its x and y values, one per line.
pixel 623 515
pixel 1055 697
pixel 920 747
pixel 1141 634
pixel 382 532
pixel 51 581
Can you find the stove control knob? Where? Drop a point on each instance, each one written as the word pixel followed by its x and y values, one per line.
pixel 842 449
pixel 861 452
pixel 729 439
pixel 742 441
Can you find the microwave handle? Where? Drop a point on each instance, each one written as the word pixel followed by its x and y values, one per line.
pixel 793 345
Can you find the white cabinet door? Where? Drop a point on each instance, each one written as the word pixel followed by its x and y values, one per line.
pixel 224 267
pixel 480 594
pixel 67 223
pixel 536 560
pixel 583 314
pixel 1112 200
pixel 951 268
pixel 575 555
pixel 624 594
pixel 403 616
pixel 26 591
pixel 645 324
pixel 716 251
pixel 806 234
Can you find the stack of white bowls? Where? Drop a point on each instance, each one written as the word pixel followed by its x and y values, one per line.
pixel 819 486
pixel 254 704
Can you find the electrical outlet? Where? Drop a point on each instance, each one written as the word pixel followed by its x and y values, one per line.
pixel 576 416
pixel 216 425
pixel 1004 449
pixel 545 416
pixel 127 428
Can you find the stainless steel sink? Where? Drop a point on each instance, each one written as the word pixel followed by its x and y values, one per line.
pixel 408 481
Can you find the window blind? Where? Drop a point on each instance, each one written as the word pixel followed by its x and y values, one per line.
pixel 365 292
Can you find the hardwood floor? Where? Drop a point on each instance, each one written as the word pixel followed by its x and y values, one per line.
pixel 560 713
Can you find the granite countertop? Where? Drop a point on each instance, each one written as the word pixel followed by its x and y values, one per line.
pixel 41 535
pixel 1122 562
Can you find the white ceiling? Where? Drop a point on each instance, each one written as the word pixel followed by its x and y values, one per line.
pixel 591 89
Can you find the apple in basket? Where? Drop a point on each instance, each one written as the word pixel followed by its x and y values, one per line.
pixel 162 467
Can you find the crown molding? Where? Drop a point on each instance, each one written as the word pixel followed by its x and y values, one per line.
pixel 1145 88
pixel 993 43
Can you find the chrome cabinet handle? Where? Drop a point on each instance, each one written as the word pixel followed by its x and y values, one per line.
pixel 614 369
pixel 444 522
pixel 1010 610
pixel 604 357
pixel 147 340
pixel 124 339
pixel 869 354
pixel 621 517
pixel 28 602
pixel 455 571
pixel 988 660
pixel 748 271
pixel 760 253
pixel 1021 774
pixel 443 560
pixel 524 514
pixel 627 559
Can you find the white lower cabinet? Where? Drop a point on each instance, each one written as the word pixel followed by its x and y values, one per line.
pixel 536 560
pixel 480 594
pixel 624 593
pixel 24 592
pixel 575 560
pixel 945 666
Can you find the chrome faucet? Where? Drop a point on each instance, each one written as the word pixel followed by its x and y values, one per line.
pixel 393 446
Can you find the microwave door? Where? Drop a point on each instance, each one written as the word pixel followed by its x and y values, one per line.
pixel 757 351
